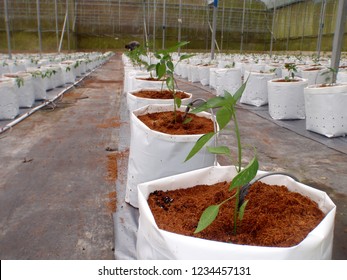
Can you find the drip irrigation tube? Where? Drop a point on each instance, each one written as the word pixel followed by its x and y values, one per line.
pixel 33 110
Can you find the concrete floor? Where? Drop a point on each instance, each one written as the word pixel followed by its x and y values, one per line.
pixel 56 192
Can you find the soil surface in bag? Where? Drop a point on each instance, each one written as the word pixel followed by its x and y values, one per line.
pixel 274 216
pixel 156 94
pixel 165 122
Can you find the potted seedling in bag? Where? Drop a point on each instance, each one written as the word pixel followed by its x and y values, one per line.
pixel 286 95
pixel 165 70
pixel 325 106
pixel 232 212
pixel 161 89
pixel 165 131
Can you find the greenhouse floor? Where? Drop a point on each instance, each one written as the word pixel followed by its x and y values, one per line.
pixel 64 169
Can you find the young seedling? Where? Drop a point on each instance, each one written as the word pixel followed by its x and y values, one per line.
pixel 291 67
pixel 165 70
pixel 225 114
pixel 19 81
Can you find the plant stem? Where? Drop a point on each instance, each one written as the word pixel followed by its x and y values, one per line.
pixel 236 212
pixel 239 149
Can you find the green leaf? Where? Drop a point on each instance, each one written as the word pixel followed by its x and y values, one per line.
pixel 170 83
pixel 221 150
pixel 207 217
pixel 187 120
pixel 242 209
pixel 239 92
pixel 161 70
pixel 178 101
pixel 246 174
pixel 175 47
pixel 214 102
pixel 170 65
pixel 151 67
pixel 223 117
pixel 186 56
pixel 199 144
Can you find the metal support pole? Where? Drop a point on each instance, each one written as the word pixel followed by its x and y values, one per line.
pixel 62 33
pixel 68 25
pixel 154 22
pixel 179 25
pixel 289 25
pixel 56 22
pixel 214 26
pixel 7 22
pixel 145 24
pixel 303 27
pixel 321 26
pixel 39 25
pixel 243 24
pixel 164 24
pixel 272 28
pixel 338 35
pixel 222 28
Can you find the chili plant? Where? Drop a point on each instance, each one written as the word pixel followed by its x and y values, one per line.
pixel 19 81
pixel 165 70
pixel 225 114
pixel 291 67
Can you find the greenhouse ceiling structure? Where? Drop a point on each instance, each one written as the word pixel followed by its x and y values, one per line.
pixel 240 25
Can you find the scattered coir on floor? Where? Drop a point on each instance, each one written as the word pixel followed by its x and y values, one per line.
pixel 111 122
pixel 112 203
pixel 112 167
pixel 112 164
pixel 274 216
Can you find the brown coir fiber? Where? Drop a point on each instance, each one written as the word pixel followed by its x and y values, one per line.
pixel 157 94
pixel 164 122
pixel 274 216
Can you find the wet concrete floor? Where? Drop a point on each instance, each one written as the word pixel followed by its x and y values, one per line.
pixel 60 169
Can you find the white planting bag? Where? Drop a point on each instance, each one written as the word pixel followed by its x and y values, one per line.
pixel 38 83
pixel 155 155
pixel 194 74
pixel 213 77
pixel 69 76
pixel 286 99
pixel 135 102
pixel 154 243
pixel 326 111
pixel 228 79
pixel 204 74
pixel 317 75
pixel 9 107
pixel 25 91
pixel 137 82
pixel 255 92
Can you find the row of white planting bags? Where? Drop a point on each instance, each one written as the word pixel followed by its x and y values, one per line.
pixel 20 89
pixel 322 107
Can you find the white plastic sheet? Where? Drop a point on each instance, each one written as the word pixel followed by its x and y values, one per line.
pixel 155 155
pixel 326 111
pixel 286 99
pixel 154 243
